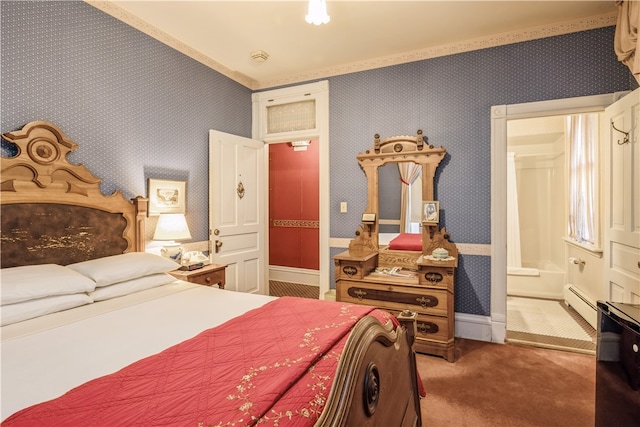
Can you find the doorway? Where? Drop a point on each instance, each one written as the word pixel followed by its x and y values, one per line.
pixel 294 213
pixel 500 115
pixel 536 223
pixel 298 124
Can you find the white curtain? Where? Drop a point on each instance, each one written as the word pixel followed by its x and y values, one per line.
pixel 409 171
pixel 582 158
pixel 514 258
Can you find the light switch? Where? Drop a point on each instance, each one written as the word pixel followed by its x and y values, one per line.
pixel 343 207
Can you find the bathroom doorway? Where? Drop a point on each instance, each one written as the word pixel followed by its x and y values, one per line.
pixel 500 115
pixel 536 227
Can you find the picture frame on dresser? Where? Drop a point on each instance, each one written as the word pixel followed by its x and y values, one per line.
pixel 166 196
pixel 430 212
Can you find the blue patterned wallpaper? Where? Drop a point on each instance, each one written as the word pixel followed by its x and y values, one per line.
pixel 141 110
pixel 137 108
pixel 450 98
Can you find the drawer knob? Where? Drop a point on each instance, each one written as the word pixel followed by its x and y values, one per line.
pixel 349 270
pixel 427 327
pixel 208 279
pixel 433 277
pixel 360 293
pixel 423 301
pixel 635 348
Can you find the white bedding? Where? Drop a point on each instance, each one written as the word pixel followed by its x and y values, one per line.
pixel 43 358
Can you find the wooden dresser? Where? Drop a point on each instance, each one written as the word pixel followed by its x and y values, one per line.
pixel 429 292
pixel 367 273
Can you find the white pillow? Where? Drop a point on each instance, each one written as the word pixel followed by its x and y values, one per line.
pixel 120 268
pixel 20 311
pixel 130 286
pixel 37 281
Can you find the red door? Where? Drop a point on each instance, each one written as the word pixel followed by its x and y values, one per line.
pixel 294 193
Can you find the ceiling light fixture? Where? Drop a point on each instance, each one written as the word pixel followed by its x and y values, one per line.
pixel 259 55
pixel 317 12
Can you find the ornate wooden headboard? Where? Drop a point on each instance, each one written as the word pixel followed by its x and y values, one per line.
pixel 53 211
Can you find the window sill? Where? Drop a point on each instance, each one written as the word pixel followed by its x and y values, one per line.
pixel 589 248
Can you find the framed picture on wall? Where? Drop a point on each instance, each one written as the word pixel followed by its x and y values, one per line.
pixel 166 196
pixel 430 212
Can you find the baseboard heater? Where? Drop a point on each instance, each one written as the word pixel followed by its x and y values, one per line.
pixel 581 303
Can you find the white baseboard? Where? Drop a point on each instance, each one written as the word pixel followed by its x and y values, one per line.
pixel 294 275
pixel 330 295
pixel 473 327
pixel 582 303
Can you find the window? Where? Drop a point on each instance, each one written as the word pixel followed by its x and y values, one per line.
pixel 582 162
pixel 290 117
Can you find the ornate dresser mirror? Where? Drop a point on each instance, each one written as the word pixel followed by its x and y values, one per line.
pixel 414 271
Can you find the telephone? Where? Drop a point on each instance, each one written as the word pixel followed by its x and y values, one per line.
pixel 194 260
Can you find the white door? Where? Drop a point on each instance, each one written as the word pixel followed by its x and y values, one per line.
pixel 622 201
pixel 236 203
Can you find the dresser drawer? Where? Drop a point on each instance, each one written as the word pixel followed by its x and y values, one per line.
pixel 433 328
pixel 428 327
pixel 208 279
pixel 354 266
pixel 212 274
pixel 392 297
pixel 441 277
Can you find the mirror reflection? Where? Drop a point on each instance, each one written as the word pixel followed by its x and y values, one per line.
pixel 400 200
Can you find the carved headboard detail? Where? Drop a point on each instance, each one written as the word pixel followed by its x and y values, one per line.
pixel 53 211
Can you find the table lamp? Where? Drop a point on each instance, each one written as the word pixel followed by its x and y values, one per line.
pixel 172 227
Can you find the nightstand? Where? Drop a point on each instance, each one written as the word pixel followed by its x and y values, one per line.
pixel 208 275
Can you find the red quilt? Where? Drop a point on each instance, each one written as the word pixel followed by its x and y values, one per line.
pixel 406 242
pixel 271 366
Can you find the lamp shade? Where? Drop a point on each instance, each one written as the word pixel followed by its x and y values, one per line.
pixel 172 227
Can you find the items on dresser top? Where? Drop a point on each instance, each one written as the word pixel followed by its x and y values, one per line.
pixel 440 253
pixel 395 271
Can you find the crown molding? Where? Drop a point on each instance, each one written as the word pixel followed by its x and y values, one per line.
pixel 561 28
pixel 567 27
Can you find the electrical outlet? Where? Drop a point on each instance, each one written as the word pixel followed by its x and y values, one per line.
pixel 343 207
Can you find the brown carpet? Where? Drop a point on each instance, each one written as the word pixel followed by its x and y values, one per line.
pixel 498 385
pixel 504 385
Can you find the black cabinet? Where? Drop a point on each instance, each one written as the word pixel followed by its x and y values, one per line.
pixel 618 365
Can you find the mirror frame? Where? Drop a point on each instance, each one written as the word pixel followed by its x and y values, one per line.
pixel 395 149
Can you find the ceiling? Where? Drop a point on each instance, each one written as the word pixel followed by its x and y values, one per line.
pixel 362 35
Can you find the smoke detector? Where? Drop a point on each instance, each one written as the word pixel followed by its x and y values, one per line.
pixel 259 55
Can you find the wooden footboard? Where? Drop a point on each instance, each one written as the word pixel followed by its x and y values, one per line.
pixel 376 383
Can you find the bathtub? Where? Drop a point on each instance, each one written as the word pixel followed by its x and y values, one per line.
pixel 545 280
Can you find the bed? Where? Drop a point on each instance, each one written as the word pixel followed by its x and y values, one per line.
pixel 136 347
